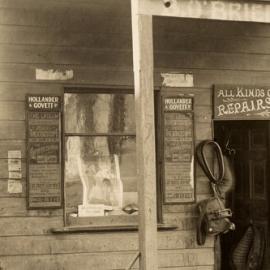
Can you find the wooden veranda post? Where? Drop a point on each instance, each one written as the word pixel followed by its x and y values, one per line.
pixel 145 136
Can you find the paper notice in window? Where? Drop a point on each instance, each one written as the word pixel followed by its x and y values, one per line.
pixel 14 186
pixel 91 210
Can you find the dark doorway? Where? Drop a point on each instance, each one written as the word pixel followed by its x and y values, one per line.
pixel 249 198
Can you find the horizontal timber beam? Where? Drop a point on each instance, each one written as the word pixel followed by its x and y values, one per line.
pixel 257 11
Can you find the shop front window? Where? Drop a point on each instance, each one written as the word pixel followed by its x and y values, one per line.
pixel 100 154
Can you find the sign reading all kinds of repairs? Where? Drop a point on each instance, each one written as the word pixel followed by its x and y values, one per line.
pixel 44 151
pixel 178 156
pixel 239 102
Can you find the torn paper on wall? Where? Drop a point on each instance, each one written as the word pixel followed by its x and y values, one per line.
pixel 177 80
pixel 14 165
pixel 14 186
pixel 14 175
pixel 14 154
pixel 52 74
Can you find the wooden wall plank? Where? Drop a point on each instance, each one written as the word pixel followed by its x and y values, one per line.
pixel 99 7
pixel 25 54
pixel 204 78
pixel 99 75
pixel 16 91
pixel 16 207
pixel 203 114
pixel 34 35
pixel 12 110
pixel 186 257
pixel 81 56
pixel 180 208
pixel 30 225
pixel 72 19
pixel 209 42
pixel 90 243
pixel 169 41
pixel 102 261
pixel 12 130
pixel 8 145
pixel 183 223
pixel 203 131
pixel 212 60
pixel 67 244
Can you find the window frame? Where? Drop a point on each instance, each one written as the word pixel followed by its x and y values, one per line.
pixel 118 221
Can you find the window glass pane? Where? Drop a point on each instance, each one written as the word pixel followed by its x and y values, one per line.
pixel 99 113
pixel 100 170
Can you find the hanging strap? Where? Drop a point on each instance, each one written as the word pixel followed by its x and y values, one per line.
pixel 201 157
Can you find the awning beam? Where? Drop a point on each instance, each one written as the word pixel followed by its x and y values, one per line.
pixel 248 11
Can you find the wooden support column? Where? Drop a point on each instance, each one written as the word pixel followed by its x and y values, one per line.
pixel 145 136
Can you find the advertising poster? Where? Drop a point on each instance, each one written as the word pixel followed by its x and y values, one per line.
pixel 44 152
pixel 178 157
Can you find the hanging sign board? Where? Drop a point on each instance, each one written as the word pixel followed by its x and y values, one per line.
pixel 44 185
pixel 241 102
pixel 178 144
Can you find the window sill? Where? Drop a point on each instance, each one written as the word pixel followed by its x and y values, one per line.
pixel 107 228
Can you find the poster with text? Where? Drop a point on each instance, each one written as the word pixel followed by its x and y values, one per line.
pixel 44 186
pixel 241 102
pixel 178 145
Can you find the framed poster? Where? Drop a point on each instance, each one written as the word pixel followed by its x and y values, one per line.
pixel 44 177
pixel 241 102
pixel 178 149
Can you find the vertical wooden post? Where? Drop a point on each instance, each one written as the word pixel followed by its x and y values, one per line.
pixel 145 135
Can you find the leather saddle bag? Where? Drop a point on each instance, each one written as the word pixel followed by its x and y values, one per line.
pixel 214 217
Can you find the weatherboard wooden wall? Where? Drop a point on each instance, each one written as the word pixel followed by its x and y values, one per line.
pixel 93 38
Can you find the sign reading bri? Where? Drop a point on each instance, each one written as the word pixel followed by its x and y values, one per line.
pixel 44 188
pixel 239 102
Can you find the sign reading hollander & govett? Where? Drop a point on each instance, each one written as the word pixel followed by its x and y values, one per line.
pixel 43 151
pixel 241 102
pixel 178 159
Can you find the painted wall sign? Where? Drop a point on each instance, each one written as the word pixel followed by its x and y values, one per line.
pixel 236 102
pixel 209 9
pixel 178 156
pixel 44 185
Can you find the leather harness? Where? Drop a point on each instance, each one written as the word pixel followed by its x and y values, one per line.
pixel 213 216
